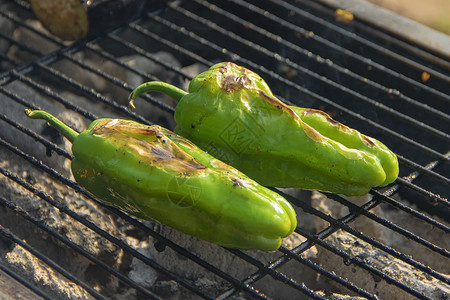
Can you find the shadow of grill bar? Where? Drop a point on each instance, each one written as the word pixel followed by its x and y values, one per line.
pixel 75 247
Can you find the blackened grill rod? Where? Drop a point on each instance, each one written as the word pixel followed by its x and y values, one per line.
pixel 270 270
pixel 343 281
pixel 304 70
pixel 36 137
pixel 43 89
pixel 380 34
pixel 116 82
pixel 264 270
pixel 163 41
pixel 235 57
pixel 361 211
pixel 106 55
pixel 76 248
pixel 20 45
pixel 423 169
pixel 188 254
pixel 7 234
pixel 336 47
pixel 342 224
pixel 3 57
pixel 317 58
pixel 25 283
pixel 380 196
pixel 92 93
pixel 65 52
pixel 364 41
pixel 348 260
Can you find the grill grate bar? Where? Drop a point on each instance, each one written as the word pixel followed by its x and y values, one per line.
pixel 368 43
pixel 74 246
pixel 348 52
pixel 49 93
pixel 106 55
pixel 277 77
pixel 273 273
pixel 434 197
pixel 3 57
pixel 361 211
pixel 317 58
pixel 17 99
pixel 379 34
pixel 92 93
pixel 312 239
pixel 423 169
pixel 183 251
pixel 343 281
pixel 409 210
pixel 329 82
pixel 25 283
pixel 117 82
pixel 342 225
pixel 164 42
pixel 7 234
pixel 348 260
pixel 62 208
pixel 18 44
pixel 37 137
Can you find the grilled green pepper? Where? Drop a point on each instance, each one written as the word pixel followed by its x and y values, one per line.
pixel 154 174
pixel 231 113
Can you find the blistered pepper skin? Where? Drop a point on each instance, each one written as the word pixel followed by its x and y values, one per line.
pixel 231 113
pixel 154 174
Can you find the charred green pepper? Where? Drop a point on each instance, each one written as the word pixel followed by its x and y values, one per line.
pixel 231 113
pixel 154 174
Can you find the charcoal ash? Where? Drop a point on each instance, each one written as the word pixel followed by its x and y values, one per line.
pixel 375 257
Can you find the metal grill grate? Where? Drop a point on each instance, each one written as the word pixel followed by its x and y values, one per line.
pixel 393 243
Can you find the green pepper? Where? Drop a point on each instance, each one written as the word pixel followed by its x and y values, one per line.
pixel 154 174
pixel 231 113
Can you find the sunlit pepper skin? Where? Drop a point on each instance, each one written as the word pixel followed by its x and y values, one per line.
pixel 154 174
pixel 231 113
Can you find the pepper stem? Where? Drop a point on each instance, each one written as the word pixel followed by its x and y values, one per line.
pixel 65 130
pixel 156 86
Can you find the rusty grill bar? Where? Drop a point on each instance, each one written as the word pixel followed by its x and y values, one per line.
pixel 361 75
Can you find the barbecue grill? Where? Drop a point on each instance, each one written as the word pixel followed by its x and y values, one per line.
pixel 57 242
